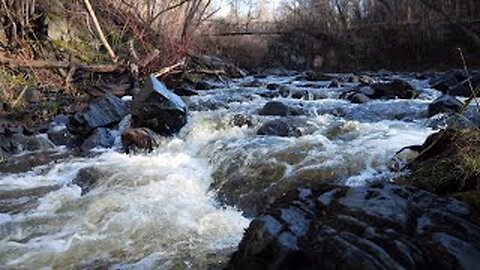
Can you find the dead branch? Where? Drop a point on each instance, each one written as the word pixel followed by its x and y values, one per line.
pixel 109 49
pixel 45 64
pixel 169 69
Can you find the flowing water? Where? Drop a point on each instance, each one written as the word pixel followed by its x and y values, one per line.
pixel 160 210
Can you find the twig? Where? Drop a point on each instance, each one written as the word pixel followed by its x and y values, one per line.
pixel 169 69
pixel 110 51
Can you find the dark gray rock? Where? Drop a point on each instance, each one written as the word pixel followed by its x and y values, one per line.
pixel 100 137
pixel 158 109
pixel 58 132
pixel 203 85
pixel 444 103
pixel 317 76
pixel 443 82
pixel 140 139
pixel 380 227
pixel 100 113
pixel 273 86
pixel 252 83
pixel 335 83
pixel 394 89
pixel 275 108
pixel 87 178
pixel 18 143
pixel 281 128
pixel 464 88
pixel 359 98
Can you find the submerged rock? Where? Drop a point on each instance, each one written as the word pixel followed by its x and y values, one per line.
pixel 281 128
pixel 136 139
pixel 241 120
pixel 381 227
pixel 23 200
pixel 359 98
pixel 158 109
pixel 276 108
pixel 87 178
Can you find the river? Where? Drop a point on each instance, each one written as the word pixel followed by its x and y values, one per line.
pixel 162 210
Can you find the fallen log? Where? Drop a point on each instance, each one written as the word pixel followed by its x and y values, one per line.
pixel 46 64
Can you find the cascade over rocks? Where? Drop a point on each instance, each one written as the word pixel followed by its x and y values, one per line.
pixel 158 109
pixel 379 227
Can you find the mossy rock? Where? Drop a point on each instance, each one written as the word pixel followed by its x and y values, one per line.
pixel 449 163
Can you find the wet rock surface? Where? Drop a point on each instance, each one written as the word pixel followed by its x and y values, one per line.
pixel 444 103
pixel 158 109
pixel 380 227
pixel 281 128
pixel 100 113
pixel 87 178
pixel 138 139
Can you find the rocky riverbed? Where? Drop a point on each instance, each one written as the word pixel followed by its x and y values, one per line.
pixel 201 168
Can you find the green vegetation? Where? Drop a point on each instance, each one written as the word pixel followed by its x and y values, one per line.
pixel 450 166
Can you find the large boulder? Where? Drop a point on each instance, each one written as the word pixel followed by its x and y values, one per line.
pixel 448 80
pixel 102 112
pixel 394 89
pixel 443 104
pixel 381 227
pixel 158 109
pixel 139 139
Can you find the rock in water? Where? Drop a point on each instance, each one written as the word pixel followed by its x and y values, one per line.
pixel 135 139
pixel 88 177
pixel 445 103
pixel 100 137
pixel 381 227
pixel 279 127
pixel 275 108
pixel 158 109
pixel 100 113
pixel 394 89
pixel 464 89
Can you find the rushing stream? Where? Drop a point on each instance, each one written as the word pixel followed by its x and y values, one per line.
pixel 161 211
